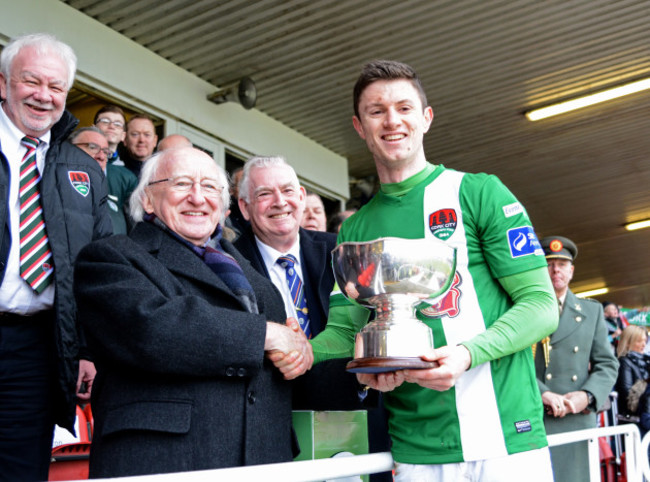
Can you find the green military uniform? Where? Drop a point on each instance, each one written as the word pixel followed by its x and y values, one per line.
pixel 580 358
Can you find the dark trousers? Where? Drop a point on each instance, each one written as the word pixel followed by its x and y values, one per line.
pixel 26 412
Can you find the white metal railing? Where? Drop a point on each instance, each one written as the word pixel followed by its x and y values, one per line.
pixel 636 461
pixel 643 456
pixel 632 447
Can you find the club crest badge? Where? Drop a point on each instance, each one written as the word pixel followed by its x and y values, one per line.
pixel 443 223
pixel 80 182
pixel 449 304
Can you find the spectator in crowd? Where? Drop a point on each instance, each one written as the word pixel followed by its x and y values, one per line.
pixel 638 404
pixel 335 221
pixel 174 141
pixel 314 217
pixel 58 194
pixel 236 220
pixel 466 417
pixel 272 199
pixel 121 181
pixel 576 369
pixel 111 121
pixel 613 321
pixel 183 330
pixel 139 143
pixel 634 364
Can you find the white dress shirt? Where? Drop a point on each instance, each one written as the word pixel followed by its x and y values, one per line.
pixel 278 274
pixel 16 296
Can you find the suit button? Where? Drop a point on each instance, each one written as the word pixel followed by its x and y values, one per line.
pixel 549 376
pixel 251 397
pixel 576 349
pixel 550 347
pixel 574 378
pixel 578 319
pixel 230 371
pixel 241 372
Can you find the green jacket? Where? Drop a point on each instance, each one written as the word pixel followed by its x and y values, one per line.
pixel 121 183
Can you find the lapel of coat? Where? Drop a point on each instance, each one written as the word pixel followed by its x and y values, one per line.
pixel 572 318
pixel 314 255
pixel 247 246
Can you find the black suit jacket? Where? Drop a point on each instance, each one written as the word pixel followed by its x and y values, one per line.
pixel 327 386
pixel 182 381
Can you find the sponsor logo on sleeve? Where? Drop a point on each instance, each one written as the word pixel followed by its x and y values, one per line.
pixel 80 182
pixel 513 209
pixel 523 242
pixel 443 223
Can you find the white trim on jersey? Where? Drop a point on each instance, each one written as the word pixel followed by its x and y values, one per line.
pixel 476 405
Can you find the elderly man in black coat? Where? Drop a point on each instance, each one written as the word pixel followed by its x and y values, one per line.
pixel 184 331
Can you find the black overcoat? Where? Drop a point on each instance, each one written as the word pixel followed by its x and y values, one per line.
pixel 182 381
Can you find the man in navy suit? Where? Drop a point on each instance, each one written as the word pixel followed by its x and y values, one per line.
pixel 272 199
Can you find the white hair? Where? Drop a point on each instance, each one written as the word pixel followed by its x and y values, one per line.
pixel 44 43
pixel 260 161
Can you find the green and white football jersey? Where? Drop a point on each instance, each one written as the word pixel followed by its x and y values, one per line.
pixel 495 408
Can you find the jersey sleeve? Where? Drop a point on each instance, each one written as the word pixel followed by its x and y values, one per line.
pixel 533 297
pixel 501 223
pixel 345 320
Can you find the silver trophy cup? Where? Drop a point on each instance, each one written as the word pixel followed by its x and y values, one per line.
pixel 396 277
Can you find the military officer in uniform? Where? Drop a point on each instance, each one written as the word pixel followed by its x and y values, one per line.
pixel 575 366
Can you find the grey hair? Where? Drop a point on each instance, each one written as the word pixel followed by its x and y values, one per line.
pixel 149 171
pixel 81 130
pixel 44 43
pixel 260 161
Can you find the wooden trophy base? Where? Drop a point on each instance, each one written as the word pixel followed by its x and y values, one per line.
pixel 387 364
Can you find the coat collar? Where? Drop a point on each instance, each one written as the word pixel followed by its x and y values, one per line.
pixel 572 317
pixel 179 259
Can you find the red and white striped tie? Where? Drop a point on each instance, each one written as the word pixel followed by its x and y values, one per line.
pixel 36 265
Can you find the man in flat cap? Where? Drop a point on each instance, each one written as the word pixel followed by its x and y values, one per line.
pixel 576 368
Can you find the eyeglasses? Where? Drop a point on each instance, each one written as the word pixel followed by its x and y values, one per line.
pixel 107 122
pixel 94 148
pixel 209 187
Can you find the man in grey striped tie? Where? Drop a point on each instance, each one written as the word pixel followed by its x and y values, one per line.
pixel 52 203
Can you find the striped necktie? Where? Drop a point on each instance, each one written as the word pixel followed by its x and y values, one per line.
pixel 288 262
pixel 35 254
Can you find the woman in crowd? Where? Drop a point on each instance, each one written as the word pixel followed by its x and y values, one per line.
pixel 633 363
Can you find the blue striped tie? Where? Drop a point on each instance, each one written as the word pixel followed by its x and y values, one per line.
pixel 288 262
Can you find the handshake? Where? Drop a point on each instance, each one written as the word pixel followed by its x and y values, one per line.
pixel 288 348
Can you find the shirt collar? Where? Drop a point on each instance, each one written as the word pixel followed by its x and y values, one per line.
pixel 270 255
pixel 15 135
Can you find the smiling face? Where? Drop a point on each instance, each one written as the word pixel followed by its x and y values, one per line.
pixel 140 139
pixel 276 206
pixel 314 217
pixel 192 215
pixel 114 134
pixel 561 273
pixel 393 122
pixel 35 91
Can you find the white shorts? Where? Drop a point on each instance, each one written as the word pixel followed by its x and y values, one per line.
pixel 531 466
